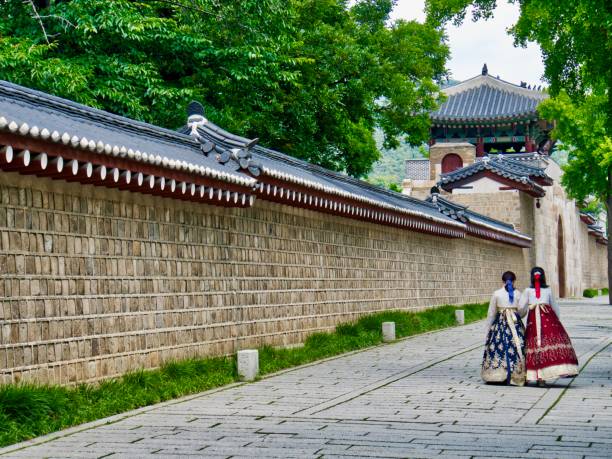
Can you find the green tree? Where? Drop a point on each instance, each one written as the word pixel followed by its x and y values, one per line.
pixel 147 59
pixel 589 148
pixel 385 181
pixel 576 41
pixel 309 77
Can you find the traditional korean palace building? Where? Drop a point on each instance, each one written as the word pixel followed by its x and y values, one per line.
pixel 124 245
pixel 493 115
pixel 490 153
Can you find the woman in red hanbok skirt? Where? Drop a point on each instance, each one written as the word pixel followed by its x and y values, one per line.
pixel 549 353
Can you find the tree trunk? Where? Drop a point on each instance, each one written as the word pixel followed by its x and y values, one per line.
pixel 609 189
pixel 609 232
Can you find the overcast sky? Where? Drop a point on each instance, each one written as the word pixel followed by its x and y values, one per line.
pixel 473 44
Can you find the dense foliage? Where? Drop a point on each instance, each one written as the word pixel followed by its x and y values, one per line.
pixel 576 41
pixel 581 126
pixel 593 292
pixel 309 77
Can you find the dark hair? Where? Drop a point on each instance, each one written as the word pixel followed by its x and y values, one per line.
pixel 508 275
pixel 542 277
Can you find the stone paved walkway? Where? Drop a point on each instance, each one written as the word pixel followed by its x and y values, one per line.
pixel 421 397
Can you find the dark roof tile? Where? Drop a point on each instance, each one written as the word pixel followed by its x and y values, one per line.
pixel 464 214
pixel 487 98
pixel 275 161
pixel 24 105
pixel 500 165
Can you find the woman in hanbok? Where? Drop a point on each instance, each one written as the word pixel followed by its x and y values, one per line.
pixel 504 358
pixel 549 353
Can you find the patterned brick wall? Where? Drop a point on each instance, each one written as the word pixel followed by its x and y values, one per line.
pixel 504 206
pixel 95 282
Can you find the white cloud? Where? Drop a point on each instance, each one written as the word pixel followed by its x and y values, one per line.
pixel 474 43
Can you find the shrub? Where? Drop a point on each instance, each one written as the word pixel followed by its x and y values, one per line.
pixel 590 293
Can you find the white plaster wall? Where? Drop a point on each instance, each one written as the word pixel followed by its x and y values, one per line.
pixel 483 185
pixel 554 171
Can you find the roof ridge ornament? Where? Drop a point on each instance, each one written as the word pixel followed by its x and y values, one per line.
pixel 485 69
pixel 243 157
pixel 195 117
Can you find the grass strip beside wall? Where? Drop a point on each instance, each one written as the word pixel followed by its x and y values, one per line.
pixel 29 410
pixel 593 292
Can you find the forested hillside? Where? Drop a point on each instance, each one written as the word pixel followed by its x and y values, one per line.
pixel 389 170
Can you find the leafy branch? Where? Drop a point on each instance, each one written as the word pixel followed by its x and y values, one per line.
pixel 39 20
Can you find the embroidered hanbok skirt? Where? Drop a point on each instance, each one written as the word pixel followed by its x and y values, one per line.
pixel 503 360
pixel 549 351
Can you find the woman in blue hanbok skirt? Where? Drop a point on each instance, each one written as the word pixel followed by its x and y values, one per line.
pixel 504 354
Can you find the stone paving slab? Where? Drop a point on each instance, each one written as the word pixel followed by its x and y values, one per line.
pixel 419 397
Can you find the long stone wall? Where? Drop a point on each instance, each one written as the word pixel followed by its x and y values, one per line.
pixel 95 282
pixel 558 220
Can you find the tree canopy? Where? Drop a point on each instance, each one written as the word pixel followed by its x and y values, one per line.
pixel 312 78
pixel 582 128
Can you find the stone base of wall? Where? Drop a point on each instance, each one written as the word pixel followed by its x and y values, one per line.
pixel 96 282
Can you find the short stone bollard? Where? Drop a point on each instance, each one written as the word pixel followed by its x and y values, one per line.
pixel 248 364
pixel 388 331
pixel 460 316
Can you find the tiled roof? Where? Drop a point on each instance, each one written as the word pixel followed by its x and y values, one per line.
pixel 531 159
pixel 597 228
pixel 300 172
pixel 69 123
pixel 588 218
pixel 202 163
pixel 33 114
pixel 599 231
pixel 506 168
pixel 485 98
pixel 417 169
pixel 520 168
